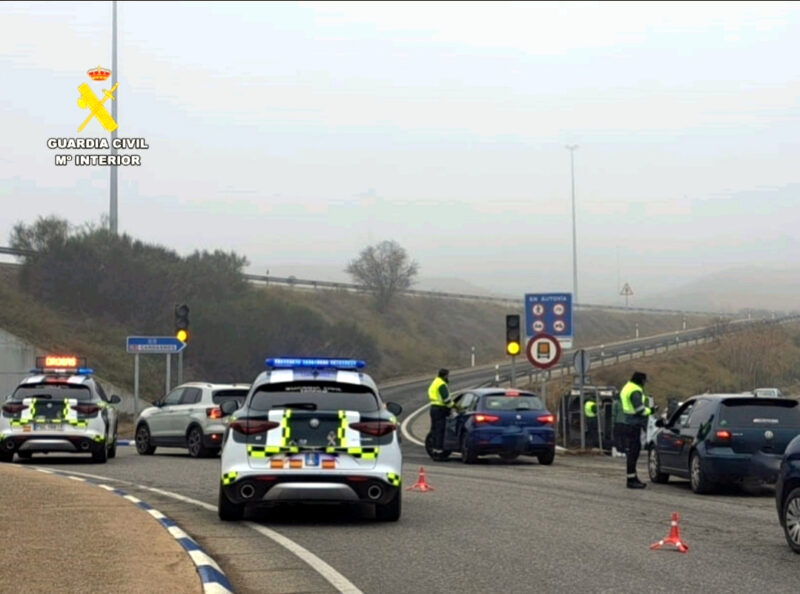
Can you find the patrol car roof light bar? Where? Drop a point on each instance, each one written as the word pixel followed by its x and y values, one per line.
pixel 310 363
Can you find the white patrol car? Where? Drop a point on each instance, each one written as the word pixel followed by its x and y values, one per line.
pixel 312 430
pixel 59 408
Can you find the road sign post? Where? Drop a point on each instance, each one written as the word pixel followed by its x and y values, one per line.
pixel 151 345
pixel 582 365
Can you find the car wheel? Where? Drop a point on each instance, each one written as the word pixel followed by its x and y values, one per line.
pixel 143 445
pixel 112 451
pixel 791 520
pixel 25 455
pixel 390 512
pixel 700 482
pixel 435 456
pixel 100 453
pixel 194 440
pixel 6 456
pixel 468 455
pixel 227 510
pixel 547 458
pixel 654 467
pixel 508 456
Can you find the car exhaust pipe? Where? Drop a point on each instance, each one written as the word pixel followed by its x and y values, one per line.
pixel 247 491
pixel 85 445
pixel 374 492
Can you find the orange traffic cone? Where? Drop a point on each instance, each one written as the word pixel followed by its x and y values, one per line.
pixel 674 537
pixel 422 482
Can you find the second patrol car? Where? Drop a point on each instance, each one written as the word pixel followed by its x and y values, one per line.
pixel 60 408
pixel 312 430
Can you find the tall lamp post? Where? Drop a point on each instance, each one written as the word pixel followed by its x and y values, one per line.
pixel 113 218
pixel 571 148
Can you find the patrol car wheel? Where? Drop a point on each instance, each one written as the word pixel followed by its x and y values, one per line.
pixel 654 467
pixel 6 456
pixel 547 458
pixel 700 482
pixel 390 512
pixel 227 510
pixel 194 441
pixel 112 451
pixel 100 453
pixel 791 520
pixel 143 446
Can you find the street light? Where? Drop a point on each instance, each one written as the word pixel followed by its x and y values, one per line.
pixel 571 148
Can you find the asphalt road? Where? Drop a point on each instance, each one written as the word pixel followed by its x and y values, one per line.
pixel 518 527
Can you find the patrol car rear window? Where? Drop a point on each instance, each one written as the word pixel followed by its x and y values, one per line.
pixel 220 396
pixel 53 392
pixel 315 396
pixel 512 403
pixel 751 412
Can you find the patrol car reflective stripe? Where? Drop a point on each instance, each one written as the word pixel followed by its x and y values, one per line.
pixel 266 451
pixel 99 438
pixel 394 479
pixel 341 431
pixel 229 477
pixel 275 438
pixel 286 430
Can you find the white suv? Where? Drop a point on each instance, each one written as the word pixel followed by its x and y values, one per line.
pixel 312 430
pixel 190 416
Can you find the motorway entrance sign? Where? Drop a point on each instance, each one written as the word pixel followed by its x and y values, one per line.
pixel 549 313
pixel 154 345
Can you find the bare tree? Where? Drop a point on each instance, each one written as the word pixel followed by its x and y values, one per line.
pixel 385 269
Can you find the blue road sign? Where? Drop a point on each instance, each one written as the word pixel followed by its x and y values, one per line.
pixel 549 313
pixel 154 345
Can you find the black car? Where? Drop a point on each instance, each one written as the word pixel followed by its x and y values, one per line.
pixel 506 422
pixel 723 438
pixel 787 494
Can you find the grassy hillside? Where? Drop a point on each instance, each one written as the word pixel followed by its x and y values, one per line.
pixel 416 336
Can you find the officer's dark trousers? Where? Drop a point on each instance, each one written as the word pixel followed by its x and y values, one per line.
pixel 438 423
pixel 619 436
pixel 633 445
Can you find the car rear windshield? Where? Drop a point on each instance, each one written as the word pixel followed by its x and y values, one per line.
pixel 220 396
pixel 315 396
pixel 53 392
pixel 523 402
pixel 751 412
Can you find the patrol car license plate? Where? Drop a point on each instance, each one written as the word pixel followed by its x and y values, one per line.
pixel 48 427
pixel 312 459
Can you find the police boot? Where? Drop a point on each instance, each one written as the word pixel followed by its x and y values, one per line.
pixel 635 483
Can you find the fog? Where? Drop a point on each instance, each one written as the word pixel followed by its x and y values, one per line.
pixel 296 134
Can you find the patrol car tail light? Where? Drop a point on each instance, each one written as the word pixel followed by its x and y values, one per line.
pixel 480 419
pixel 251 427
pixel 14 409
pixel 723 435
pixel 376 428
pixel 214 413
pixel 546 419
pixel 87 409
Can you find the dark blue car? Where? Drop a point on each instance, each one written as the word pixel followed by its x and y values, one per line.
pixel 724 438
pixel 787 494
pixel 500 421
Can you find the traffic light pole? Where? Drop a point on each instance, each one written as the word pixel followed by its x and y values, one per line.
pixel 180 368
pixel 513 372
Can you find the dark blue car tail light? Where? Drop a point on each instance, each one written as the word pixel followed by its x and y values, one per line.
pixel 547 419
pixel 481 419
pixel 723 436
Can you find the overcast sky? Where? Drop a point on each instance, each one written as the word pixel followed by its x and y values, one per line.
pixel 297 133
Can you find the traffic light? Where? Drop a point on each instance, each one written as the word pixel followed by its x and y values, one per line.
pixel 513 345
pixel 182 322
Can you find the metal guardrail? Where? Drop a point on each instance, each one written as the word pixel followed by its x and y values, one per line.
pixel 320 284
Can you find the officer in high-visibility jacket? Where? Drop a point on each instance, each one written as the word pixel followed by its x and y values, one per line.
pixel 439 396
pixel 590 413
pixel 635 413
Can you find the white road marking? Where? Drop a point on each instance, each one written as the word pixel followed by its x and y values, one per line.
pixel 407 422
pixel 336 579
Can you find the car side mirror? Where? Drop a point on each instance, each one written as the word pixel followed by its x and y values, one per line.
pixel 115 399
pixel 158 403
pixel 394 408
pixel 229 407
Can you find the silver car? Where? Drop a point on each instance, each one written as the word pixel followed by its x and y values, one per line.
pixel 190 416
